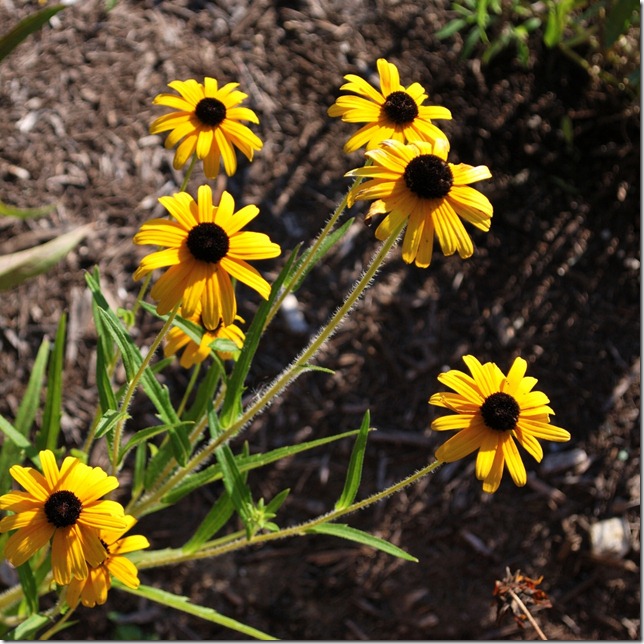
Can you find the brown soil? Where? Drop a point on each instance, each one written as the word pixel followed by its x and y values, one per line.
pixel 556 281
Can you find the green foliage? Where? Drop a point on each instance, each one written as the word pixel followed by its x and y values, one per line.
pixel 17 267
pixel 489 27
pixel 26 27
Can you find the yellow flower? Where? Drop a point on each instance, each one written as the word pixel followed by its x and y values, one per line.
pixel 416 184
pixel 205 247
pixel 492 412
pixel 195 353
pixel 63 505
pixel 395 112
pixel 208 122
pixel 93 590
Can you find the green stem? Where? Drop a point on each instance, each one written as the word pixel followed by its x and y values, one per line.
pixel 287 376
pixel 173 556
pixel 189 388
pixel 131 389
pixel 184 183
pixel 291 372
pixel 301 269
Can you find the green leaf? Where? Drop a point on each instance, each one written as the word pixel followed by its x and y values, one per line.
pixel 27 629
pixel 140 461
pixel 108 420
pixel 277 501
pixel 451 28
pixel 106 395
pixel 217 517
pixel 17 267
pixel 29 405
pixel 191 329
pixel 553 31
pixel 353 534
pixel 245 464
pixel 29 588
pixel 183 604
pixel 235 485
pixel 132 360
pixel 25 213
pixel 50 427
pixel 13 434
pixel 144 434
pixel 31 399
pixel 26 27
pixel 354 471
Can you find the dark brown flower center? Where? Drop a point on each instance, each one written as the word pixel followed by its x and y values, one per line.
pixel 210 111
pixel 500 411
pixel 63 508
pixel 428 176
pixel 208 242
pixel 400 108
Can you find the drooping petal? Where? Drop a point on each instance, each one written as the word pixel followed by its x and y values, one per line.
pixel 124 570
pixel 513 461
pixel 27 541
pixel 490 444
pixel 461 444
pixel 493 479
pixel 67 556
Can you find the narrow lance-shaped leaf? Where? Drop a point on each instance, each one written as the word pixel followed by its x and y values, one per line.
pixel 183 604
pixel 25 213
pixel 354 471
pixel 29 588
pixel 353 534
pixel 31 399
pixel 17 267
pixel 29 405
pixel 27 630
pixel 245 464
pixel 50 428
pixel 236 486
pixel 132 361
pixel 108 421
pixel 217 517
pixel 26 27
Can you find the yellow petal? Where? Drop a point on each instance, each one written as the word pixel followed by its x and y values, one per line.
pixel 493 479
pixel 513 461
pixel 245 273
pixel 461 444
pixel 34 482
pixel 67 556
pixel 27 541
pixel 452 422
pixel 490 445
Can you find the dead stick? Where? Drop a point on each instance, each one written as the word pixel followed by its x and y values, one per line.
pixel 528 615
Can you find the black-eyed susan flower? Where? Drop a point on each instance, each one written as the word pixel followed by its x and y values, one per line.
pixel 93 590
pixel 414 183
pixel 64 506
pixel 195 353
pixel 494 412
pixel 394 112
pixel 208 121
pixel 204 248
